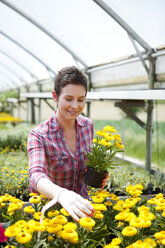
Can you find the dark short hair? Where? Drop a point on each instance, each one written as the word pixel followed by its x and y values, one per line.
pixel 69 75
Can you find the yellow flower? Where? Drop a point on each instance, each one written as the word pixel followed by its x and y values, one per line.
pixel 143 208
pixel 120 216
pixel 59 219
pixel 110 129
pixel 43 197
pixel 97 199
pixel 53 213
pixel 87 222
pixel 129 203
pixel 130 216
pixel 10 246
pixel 28 228
pixel 129 231
pixel 50 238
pixel 152 201
pixel 119 145
pixel 150 242
pixel 117 137
pixel 37 216
pixel 147 216
pixel 11 231
pixel 98 215
pixel 159 196
pixel 105 142
pixel 64 212
pixel 103 193
pixel 23 237
pixel 116 241
pixel 70 235
pixel 109 136
pixel 21 223
pixel 135 192
pixel 99 207
pixel 2 205
pixel 46 222
pixel 108 203
pixel 160 235
pixel 120 224
pixel 38 226
pixel 70 225
pixel 163 241
pixel 113 197
pixel 54 228
pixel 160 208
pixel 137 222
pixel 94 140
pixel 163 214
pixel 6 197
pixel 33 194
pixel 29 209
pixel 35 199
pixel 100 132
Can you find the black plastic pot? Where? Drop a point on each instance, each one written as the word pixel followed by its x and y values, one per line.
pixel 94 178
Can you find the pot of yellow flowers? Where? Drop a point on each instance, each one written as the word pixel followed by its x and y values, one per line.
pixel 100 157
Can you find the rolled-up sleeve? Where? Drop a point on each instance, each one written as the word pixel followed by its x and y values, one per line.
pixel 37 160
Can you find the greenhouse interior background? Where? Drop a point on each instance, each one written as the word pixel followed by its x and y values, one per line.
pixel 120 45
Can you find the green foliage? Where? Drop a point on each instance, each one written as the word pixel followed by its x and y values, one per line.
pixel 104 148
pixel 3 100
pixel 135 139
pixel 14 173
pixel 125 175
pixel 102 157
pixel 14 137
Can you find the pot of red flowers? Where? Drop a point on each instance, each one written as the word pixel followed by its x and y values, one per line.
pixel 100 157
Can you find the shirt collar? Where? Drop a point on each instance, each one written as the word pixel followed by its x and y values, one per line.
pixel 54 124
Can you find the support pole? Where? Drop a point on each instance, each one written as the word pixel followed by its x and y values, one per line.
pixel 149 129
pixel 149 132
pixel 89 88
pixel 39 105
pixel 33 119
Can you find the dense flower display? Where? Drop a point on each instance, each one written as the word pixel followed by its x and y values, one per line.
pixel 105 146
pixel 128 222
pixel 7 118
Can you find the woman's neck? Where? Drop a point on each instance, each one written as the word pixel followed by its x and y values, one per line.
pixel 65 124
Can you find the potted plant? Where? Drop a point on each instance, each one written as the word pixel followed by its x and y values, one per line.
pixel 100 156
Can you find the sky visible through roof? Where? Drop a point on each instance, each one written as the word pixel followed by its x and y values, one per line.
pixel 81 25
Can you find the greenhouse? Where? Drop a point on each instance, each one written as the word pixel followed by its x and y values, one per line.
pixel 83 166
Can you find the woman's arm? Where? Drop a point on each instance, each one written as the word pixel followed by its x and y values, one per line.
pixel 73 203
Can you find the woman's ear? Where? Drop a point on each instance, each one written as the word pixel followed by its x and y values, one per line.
pixel 54 95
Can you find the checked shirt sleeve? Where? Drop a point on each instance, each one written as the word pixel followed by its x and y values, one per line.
pixel 37 160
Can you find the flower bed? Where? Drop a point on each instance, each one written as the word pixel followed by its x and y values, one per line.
pixel 7 118
pixel 132 222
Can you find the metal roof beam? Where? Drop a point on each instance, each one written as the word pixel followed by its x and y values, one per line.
pixel 20 65
pixel 28 51
pixel 11 71
pixel 123 24
pixel 10 80
pixel 42 28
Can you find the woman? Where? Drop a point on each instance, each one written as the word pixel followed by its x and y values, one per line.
pixel 57 146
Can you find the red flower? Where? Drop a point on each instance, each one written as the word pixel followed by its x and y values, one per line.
pixel 3 238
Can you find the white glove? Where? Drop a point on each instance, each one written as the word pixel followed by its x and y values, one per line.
pixel 74 204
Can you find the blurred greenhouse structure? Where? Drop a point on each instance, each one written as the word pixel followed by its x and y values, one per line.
pixel 119 44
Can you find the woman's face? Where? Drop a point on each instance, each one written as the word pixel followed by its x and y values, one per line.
pixel 71 101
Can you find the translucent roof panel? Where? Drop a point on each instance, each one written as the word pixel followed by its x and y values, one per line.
pixel 85 34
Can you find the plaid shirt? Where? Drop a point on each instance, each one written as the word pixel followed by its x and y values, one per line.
pixel 50 157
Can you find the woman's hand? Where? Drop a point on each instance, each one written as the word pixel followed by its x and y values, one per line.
pixel 74 204
pixel 104 181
